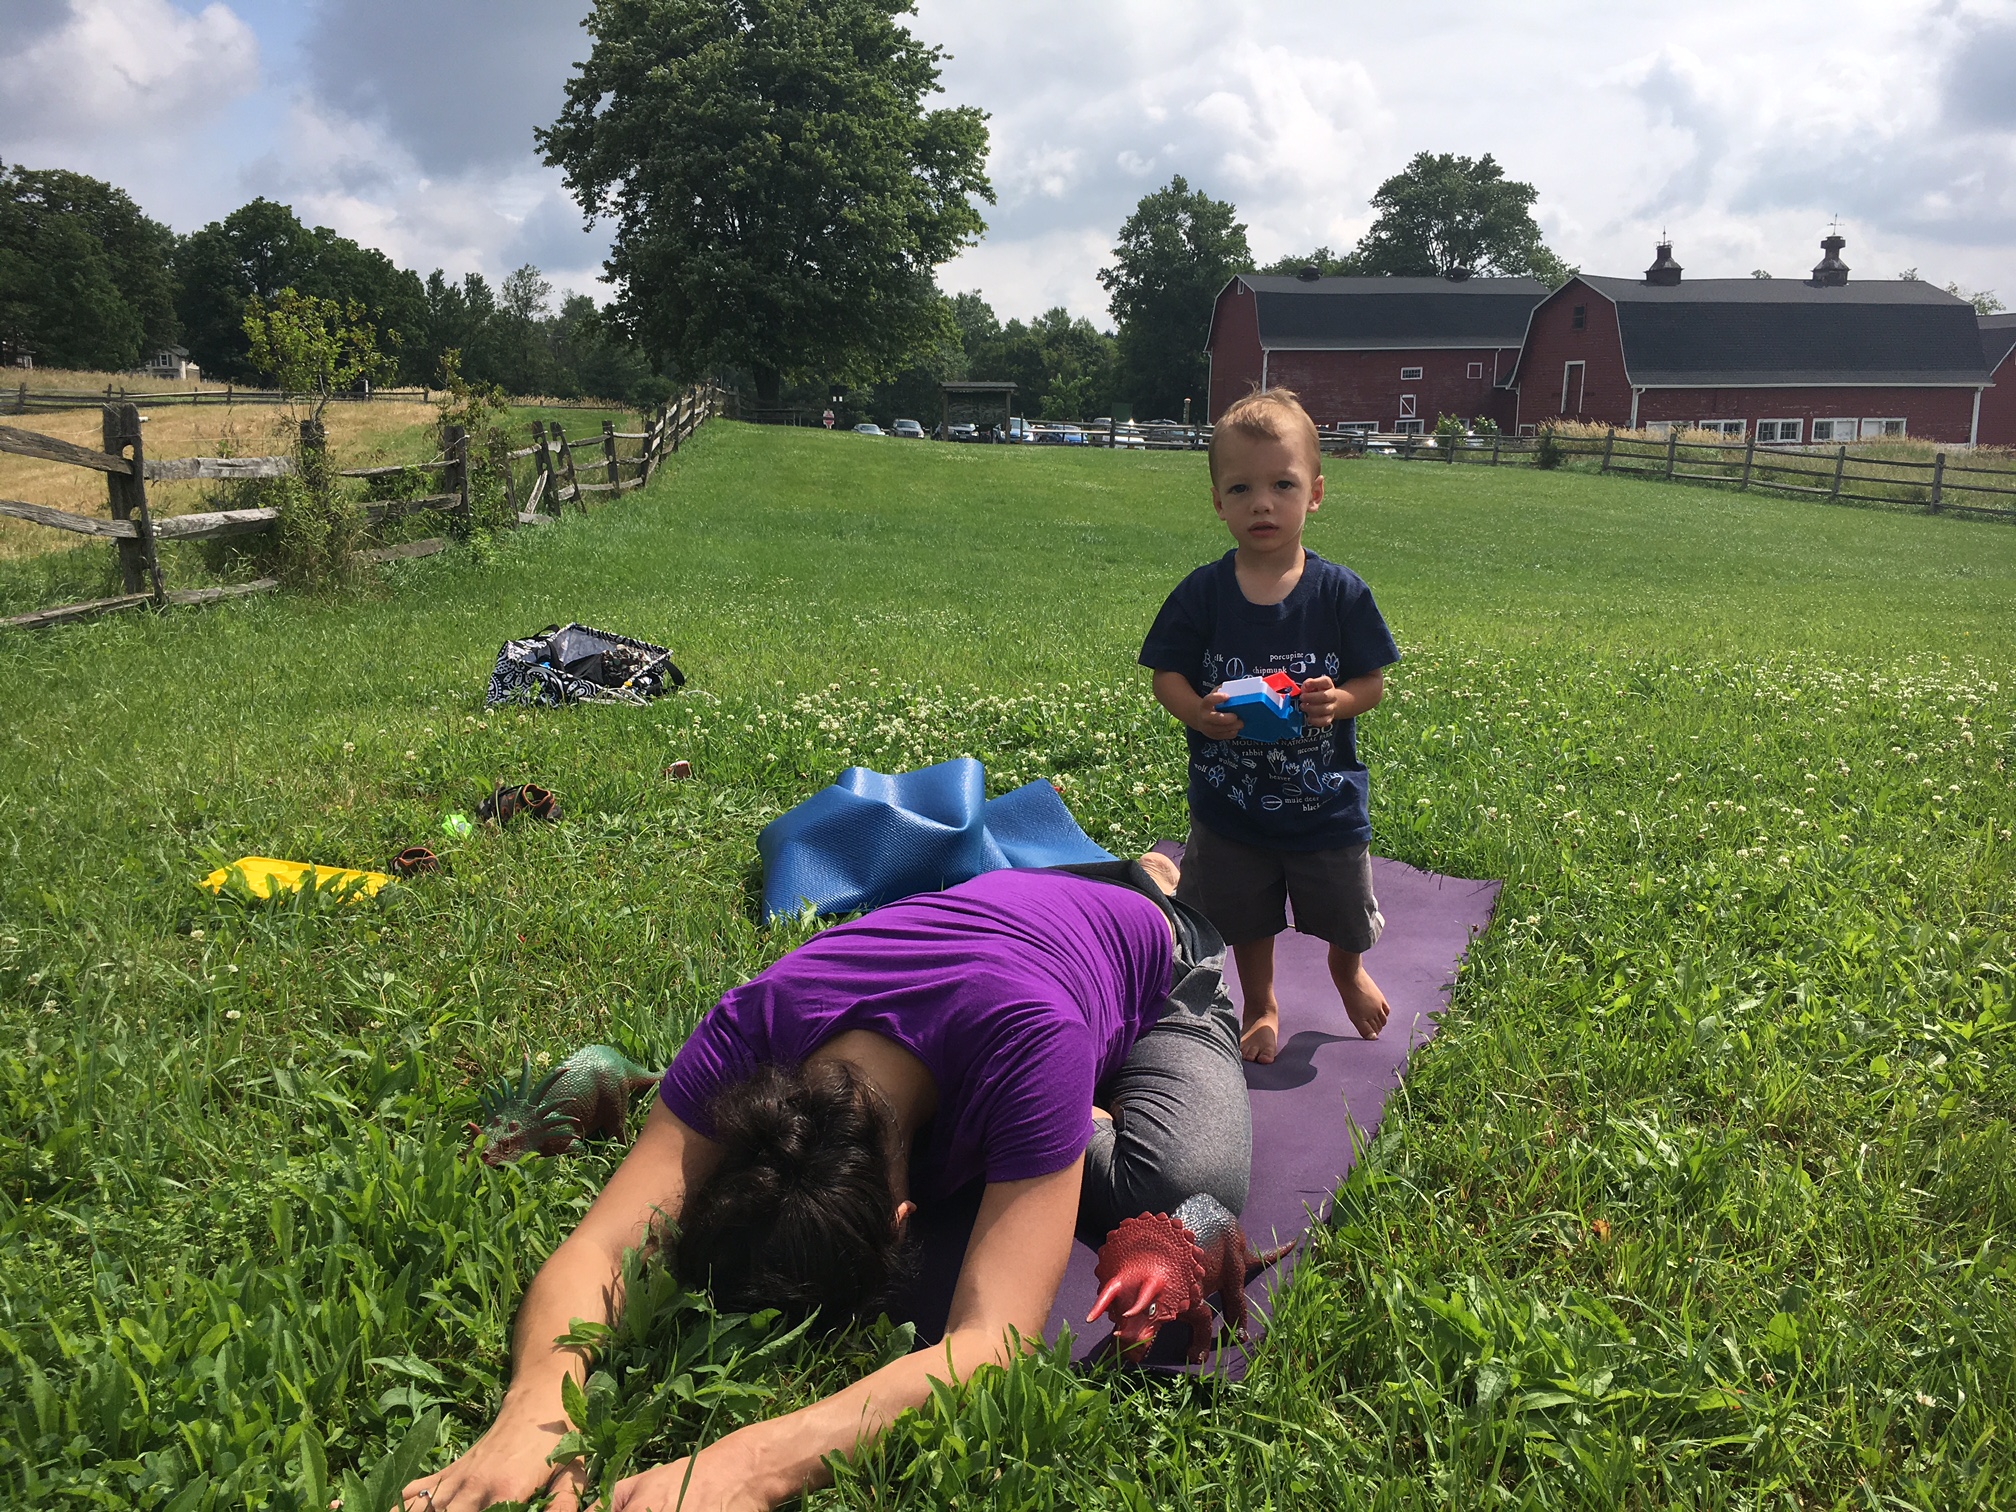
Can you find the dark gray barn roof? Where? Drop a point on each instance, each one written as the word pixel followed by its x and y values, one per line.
pixel 1754 332
pixel 1372 314
pixel 1998 339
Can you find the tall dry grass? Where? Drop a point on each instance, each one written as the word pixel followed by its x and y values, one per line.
pixel 360 435
pixel 92 381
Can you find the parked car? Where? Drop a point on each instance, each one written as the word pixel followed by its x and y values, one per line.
pixel 1019 431
pixel 909 430
pixel 867 428
pixel 962 432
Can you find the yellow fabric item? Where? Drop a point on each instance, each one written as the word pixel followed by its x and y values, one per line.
pixel 269 878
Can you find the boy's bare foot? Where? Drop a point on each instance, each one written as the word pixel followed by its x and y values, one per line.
pixel 1260 1035
pixel 1363 1000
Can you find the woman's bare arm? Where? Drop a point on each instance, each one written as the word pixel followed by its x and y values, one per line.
pixel 1014 1264
pixel 581 1279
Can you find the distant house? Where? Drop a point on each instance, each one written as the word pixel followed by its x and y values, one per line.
pixel 16 354
pixel 172 363
pixel 1817 360
pixel 1389 354
pixel 1998 404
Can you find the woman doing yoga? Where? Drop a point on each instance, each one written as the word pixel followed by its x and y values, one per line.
pixel 972 1035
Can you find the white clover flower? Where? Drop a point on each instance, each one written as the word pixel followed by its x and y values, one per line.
pixel 233 1014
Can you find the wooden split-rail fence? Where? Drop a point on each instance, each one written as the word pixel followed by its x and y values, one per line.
pixel 1947 484
pixel 555 481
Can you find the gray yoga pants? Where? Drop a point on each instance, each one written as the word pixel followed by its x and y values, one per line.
pixel 1181 1122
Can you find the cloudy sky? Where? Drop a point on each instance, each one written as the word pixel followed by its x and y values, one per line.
pixel 1741 128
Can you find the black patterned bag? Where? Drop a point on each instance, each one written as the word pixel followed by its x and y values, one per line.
pixel 575 663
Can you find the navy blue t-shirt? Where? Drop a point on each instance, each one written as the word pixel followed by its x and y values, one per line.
pixel 1305 794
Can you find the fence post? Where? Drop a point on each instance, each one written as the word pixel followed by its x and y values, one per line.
pixel 543 460
pixel 24 398
pixel 1840 461
pixel 1609 444
pixel 1749 457
pixel 455 449
pixel 1112 429
pixel 1938 479
pixel 1497 439
pixel 139 566
pixel 613 477
pixel 1672 448
pixel 567 456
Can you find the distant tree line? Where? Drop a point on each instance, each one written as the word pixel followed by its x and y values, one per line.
pixel 87 280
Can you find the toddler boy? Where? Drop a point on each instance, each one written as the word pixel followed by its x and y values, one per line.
pixel 1285 820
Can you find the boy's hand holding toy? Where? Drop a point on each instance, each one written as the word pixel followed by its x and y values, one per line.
pixel 1212 722
pixel 1320 701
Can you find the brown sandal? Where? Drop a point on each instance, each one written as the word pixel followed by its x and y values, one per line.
pixel 414 860
pixel 505 804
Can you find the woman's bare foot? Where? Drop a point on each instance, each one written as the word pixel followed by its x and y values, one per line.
pixel 1260 1035
pixel 1363 1000
pixel 1162 870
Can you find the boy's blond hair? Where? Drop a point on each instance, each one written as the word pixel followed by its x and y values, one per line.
pixel 1268 415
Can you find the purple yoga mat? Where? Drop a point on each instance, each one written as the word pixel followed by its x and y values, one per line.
pixel 1325 1084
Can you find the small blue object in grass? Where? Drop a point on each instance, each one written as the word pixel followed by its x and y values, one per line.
pixel 1265 705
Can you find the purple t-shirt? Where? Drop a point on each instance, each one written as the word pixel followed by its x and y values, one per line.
pixel 1020 991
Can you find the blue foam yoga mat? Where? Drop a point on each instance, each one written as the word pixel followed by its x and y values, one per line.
pixel 870 839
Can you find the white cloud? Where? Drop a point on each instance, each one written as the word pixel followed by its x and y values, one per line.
pixel 105 67
pixel 408 123
pixel 1742 133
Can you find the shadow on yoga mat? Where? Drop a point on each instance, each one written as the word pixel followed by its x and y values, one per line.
pixel 1325 1081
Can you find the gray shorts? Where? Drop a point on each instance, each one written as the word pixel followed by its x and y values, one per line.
pixel 1243 889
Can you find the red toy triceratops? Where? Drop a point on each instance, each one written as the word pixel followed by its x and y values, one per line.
pixel 1160 1267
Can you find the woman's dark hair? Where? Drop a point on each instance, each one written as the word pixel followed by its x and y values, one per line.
pixel 800 1213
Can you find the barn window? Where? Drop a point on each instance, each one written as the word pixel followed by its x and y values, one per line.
pixel 1779 432
pixel 1873 429
pixel 1407 428
pixel 1409 375
pixel 1730 428
pixel 1580 318
pixel 1834 430
pixel 1476 370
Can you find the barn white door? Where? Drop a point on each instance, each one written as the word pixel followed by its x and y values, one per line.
pixel 1571 388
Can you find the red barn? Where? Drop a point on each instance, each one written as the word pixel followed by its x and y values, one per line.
pixel 1820 360
pixel 1998 404
pixel 1389 354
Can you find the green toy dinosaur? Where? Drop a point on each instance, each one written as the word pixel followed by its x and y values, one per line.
pixel 586 1096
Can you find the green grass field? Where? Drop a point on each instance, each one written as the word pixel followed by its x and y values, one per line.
pixel 1702 1198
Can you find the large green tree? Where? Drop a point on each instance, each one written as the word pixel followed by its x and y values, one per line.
pixel 84 276
pixel 1176 251
pixel 1443 211
pixel 261 248
pixel 1327 264
pixel 779 191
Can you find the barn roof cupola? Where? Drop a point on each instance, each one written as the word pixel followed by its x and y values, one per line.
pixel 1664 272
pixel 1830 272
pixel 1308 272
